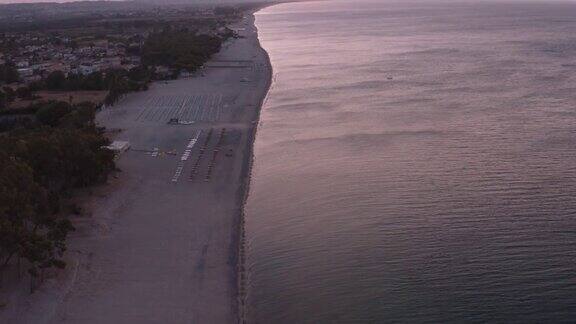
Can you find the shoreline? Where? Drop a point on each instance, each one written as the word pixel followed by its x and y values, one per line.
pixel 244 190
pixel 122 231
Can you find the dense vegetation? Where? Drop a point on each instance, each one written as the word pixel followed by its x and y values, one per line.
pixel 42 160
pixel 180 49
pixel 4 99
pixel 8 73
pixel 130 80
pixel 116 82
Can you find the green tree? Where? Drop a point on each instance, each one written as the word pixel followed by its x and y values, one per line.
pixel 10 94
pixel 21 200
pixel 39 167
pixel 24 93
pixel 3 100
pixel 55 80
pixel 93 81
pixel 8 73
pixel 52 112
pixel 179 49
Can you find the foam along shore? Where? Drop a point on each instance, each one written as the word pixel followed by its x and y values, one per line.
pixel 160 245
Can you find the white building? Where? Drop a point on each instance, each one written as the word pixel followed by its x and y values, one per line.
pixel 87 69
pixel 118 147
pixel 25 72
pixel 22 64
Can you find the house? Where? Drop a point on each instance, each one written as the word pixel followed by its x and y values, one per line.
pixel 32 78
pixel 101 43
pixel 111 62
pixel 22 64
pixel 163 71
pixel 128 66
pixel 25 72
pixel 57 66
pixel 87 69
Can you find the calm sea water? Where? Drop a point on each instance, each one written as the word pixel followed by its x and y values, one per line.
pixel 416 162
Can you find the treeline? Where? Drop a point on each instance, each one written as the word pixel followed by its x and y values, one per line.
pixel 6 98
pixel 9 95
pixel 43 159
pixel 8 73
pixel 115 81
pixel 179 49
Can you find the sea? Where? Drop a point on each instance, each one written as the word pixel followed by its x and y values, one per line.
pixel 415 163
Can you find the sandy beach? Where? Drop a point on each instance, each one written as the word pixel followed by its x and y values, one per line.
pixel 161 243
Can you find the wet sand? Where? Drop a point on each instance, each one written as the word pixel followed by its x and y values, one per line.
pixel 161 245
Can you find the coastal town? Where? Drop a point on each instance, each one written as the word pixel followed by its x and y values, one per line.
pixel 41 57
pixel 36 55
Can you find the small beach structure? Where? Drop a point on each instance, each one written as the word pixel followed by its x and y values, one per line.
pixel 176 121
pixel 118 147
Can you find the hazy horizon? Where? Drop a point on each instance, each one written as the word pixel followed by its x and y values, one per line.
pixel 2 2
pixel 146 1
